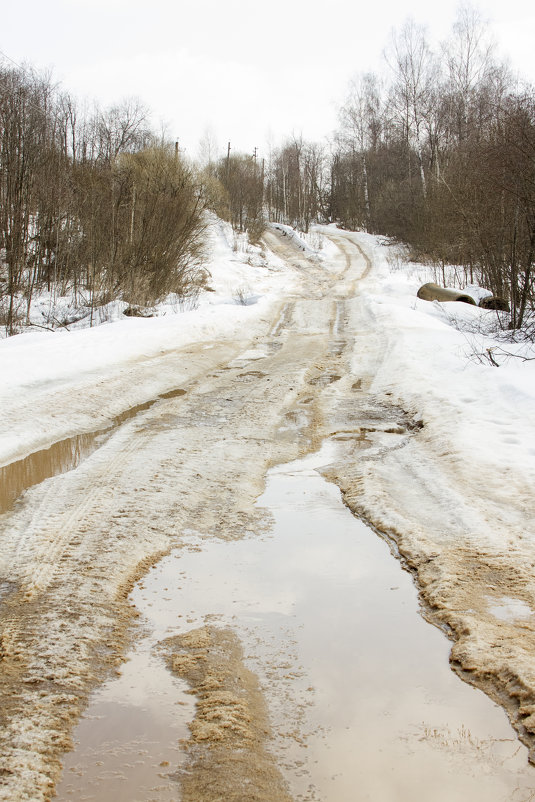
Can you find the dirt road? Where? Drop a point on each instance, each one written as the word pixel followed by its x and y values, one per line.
pixel 195 460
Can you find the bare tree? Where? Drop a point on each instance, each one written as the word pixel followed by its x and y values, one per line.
pixel 415 70
pixel 90 205
pixel 360 128
pixel 240 198
pixel 208 149
pixel 23 98
pixel 469 55
pixel 122 129
pixel 296 183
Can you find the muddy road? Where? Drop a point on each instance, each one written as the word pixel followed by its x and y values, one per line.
pixel 141 476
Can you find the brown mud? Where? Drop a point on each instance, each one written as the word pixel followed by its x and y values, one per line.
pixel 227 752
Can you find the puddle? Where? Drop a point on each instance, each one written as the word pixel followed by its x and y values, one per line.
pixel 295 424
pixel 325 379
pixel 255 374
pixel 62 456
pixel 358 685
pixel 351 436
pixel 173 393
pixel 508 609
pixel 129 738
pixel 251 355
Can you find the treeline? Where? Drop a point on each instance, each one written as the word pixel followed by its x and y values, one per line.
pixel 443 157
pixel 439 155
pixel 94 206
pixel 291 187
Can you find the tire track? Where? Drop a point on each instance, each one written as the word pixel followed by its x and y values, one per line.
pixel 77 542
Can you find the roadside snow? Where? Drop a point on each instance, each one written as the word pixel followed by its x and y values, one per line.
pixel 435 364
pixel 435 355
pixel 246 282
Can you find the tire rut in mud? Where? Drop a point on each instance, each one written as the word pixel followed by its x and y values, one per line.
pixel 78 541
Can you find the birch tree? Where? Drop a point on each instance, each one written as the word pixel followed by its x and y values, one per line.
pixel 415 72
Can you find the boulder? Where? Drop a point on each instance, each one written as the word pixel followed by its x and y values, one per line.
pixel 494 302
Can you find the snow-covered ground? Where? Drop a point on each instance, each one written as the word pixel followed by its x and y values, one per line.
pixel 438 362
pixel 243 280
pixel 245 284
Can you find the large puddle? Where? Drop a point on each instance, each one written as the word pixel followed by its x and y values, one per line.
pixel 358 685
pixel 65 455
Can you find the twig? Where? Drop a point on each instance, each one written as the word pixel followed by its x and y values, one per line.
pixel 491 358
pixel 38 326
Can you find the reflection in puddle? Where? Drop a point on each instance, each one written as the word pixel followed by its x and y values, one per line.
pixel 129 738
pixel 63 456
pixel 357 683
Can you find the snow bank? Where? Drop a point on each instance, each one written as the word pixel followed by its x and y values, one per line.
pixel 436 365
pixel 245 283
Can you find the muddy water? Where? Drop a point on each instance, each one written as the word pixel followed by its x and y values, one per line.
pixel 62 456
pixel 129 741
pixel 360 694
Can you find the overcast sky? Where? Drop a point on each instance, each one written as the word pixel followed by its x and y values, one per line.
pixel 252 72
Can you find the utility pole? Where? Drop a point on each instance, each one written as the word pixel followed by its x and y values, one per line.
pixel 255 152
pixel 228 160
pixel 176 149
pixel 133 214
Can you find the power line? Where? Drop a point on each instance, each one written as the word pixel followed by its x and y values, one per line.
pixel 11 60
pixel 29 102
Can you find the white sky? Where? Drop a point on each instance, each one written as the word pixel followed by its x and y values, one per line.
pixel 254 73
